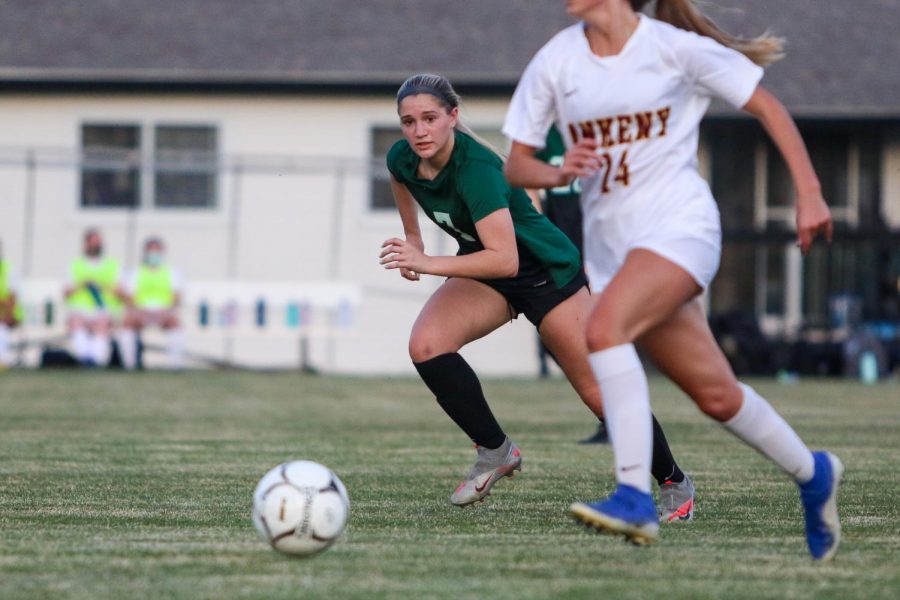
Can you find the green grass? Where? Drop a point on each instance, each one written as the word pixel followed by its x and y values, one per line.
pixel 117 486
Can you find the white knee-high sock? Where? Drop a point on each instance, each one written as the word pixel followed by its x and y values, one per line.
pixel 81 345
pixel 4 342
pixel 626 408
pixel 100 349
pixel 128 348
pixel 176 348
pixel 757 424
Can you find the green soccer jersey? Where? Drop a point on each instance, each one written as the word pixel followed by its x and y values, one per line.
pixel 553 153
pixel 562 204
pixel 470 187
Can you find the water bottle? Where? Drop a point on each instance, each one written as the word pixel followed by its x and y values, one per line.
pixel 305 314
pixel 203 314
pixel 292 315
pixel 261 313
pixel 230 314
pixel 344 313
pixel 868 368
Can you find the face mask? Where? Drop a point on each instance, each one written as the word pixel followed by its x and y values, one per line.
pixel 94 250
pixel 153 259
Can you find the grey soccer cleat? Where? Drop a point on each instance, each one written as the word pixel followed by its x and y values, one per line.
pixel 490 467
pixel 676 501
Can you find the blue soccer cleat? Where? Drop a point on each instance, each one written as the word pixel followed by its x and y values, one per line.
pixel 819 497
pixel 628 511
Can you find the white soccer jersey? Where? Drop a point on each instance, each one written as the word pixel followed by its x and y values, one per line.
pixel 643 106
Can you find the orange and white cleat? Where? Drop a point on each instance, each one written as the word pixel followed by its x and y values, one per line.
pixel 676 501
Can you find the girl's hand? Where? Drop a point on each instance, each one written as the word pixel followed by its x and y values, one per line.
pixel 407 255
pixel 813 218
pixel 580 160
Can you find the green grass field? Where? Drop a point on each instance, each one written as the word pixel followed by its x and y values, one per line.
pixel 118 486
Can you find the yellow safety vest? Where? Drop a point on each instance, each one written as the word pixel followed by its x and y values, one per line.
pixel 5 292
pixel 105 274
pixel 5 269
pixel 154 288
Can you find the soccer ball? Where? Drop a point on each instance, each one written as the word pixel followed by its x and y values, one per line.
pixel 300 507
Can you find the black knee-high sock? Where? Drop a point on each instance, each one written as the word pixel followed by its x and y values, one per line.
pixel 663 467
pixel 458 391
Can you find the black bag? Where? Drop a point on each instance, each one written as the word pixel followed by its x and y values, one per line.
pixel 54 358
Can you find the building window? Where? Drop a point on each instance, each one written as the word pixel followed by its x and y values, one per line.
pixel 166 166
pixel 110 173
pixel 383 138
pixel 185 167
pixel 762 271
pixel 380 197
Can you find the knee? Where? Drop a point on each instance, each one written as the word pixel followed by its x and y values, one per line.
pixel 720 401
pixel 600 336
pixel 424 347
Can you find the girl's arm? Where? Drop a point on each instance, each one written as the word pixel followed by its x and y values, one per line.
pixel 500 257
pixel 813 216
pixel 409 216
pixel 524 170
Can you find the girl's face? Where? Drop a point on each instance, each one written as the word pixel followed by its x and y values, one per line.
pixel 426 124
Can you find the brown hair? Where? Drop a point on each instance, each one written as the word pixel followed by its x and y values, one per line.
pixel 763 50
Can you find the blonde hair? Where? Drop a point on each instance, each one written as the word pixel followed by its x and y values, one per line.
pixel 763 50
pixel 439 87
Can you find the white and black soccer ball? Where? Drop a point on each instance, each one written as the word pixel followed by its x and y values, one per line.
pixel 300 507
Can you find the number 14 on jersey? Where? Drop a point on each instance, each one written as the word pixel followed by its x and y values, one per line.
pixel 612 172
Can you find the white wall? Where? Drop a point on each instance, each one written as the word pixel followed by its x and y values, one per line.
pixel 286 215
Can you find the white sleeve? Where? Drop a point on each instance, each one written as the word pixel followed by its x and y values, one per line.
pixel 14 283
pixel 129 282
pixel 177 282
pixel 719 71
pixel 532 109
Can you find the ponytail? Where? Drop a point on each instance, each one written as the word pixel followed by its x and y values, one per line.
pixel 439 87
pixel 684 14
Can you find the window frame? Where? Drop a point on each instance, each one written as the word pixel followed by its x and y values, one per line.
pixel 147 168
pixel 84 164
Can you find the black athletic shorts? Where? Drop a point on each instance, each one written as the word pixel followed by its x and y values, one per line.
pixel 535 299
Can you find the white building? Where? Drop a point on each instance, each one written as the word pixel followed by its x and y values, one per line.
pixel 250 136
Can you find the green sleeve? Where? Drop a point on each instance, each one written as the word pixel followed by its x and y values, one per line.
pixel 394 158
pixel 483 189
pixel 554 146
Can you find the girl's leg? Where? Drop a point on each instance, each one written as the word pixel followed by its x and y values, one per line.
pixel 81 340
pixel 645 291
pixel 4 344
pixel 685 349
pixel 459 312
pixel 562 331
pixel 100 341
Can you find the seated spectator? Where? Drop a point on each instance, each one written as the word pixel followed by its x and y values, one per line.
pixel 154 294
pixel 10 311
pixel 93 301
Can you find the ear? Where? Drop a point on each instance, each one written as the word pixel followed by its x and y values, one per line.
pixel 454 116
